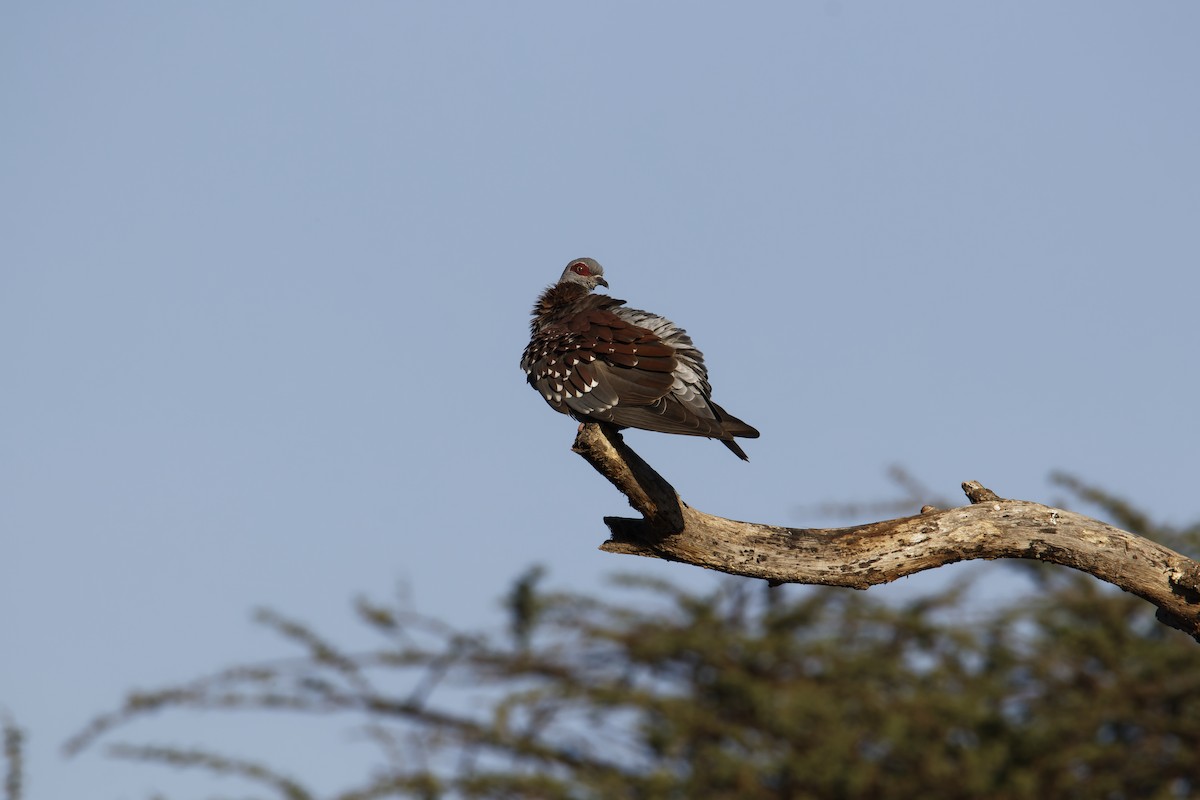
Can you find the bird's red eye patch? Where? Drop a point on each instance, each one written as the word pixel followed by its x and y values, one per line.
pixel 581 269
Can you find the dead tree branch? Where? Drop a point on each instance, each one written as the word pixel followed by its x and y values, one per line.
pixel 880 552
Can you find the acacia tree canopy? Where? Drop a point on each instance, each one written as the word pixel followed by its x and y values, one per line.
pixel 744 692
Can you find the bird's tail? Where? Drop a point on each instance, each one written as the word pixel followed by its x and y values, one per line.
pixel 737 451
pixel 731 426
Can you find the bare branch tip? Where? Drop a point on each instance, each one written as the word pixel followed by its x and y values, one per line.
pixel 977 493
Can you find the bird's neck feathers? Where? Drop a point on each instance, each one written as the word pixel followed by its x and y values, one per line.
pixel 564 299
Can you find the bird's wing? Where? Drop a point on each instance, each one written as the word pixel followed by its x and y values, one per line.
pixel 595 361
pixel 651 366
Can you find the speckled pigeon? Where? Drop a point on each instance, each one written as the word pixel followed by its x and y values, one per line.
pixel 591 357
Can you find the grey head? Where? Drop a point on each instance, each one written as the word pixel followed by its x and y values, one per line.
pixel 586 271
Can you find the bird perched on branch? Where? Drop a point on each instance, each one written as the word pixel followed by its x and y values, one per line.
pixel 592 358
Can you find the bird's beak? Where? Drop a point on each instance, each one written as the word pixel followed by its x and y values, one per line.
pixel 601 281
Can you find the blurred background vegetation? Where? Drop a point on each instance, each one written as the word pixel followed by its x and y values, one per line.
pixel 1071 690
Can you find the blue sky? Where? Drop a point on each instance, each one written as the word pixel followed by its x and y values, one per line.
pixel 266 268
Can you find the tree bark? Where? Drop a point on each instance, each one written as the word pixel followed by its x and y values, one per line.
pixel 880 552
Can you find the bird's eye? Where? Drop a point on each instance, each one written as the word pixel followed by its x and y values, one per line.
pixel 581 269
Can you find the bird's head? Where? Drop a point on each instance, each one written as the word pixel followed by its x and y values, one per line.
pixel 586 271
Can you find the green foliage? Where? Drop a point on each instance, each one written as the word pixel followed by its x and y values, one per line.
pixel 14 760
pixel 744 693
